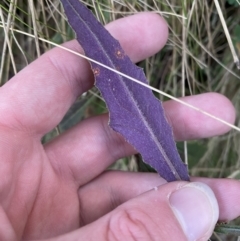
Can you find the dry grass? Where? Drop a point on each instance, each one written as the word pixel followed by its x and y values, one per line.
pixel 201 56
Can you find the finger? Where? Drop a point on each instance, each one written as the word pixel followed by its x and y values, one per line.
pixel 150 34
pixel 36 99
pixel 190 124
pixel 227 194
pixel 101 146
pixel 110 191
pixel 165 213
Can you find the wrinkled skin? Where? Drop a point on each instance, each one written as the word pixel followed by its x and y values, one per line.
pixel 50 190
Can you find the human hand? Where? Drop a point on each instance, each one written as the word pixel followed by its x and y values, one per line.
pixel 60 191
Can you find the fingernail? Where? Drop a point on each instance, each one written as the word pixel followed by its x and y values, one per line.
pixel 196 209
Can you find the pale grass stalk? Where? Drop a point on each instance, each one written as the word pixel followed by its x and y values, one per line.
pixel 158 11
pixel 19 47
pixel 4 49
pixel 6 28
pixel 184 63
pixel 6 58
pixel 63 27
pixel 200 63
pixel 234 175
pixel 113 10
pixel 135 80
pixel 171 7
pixel 208 169
pixel 44 20
pixel 224 157
pixel 55 7
pixel 190 14
pixel 55 10
pixel 230 43
pixel 213 57
pixel 205 157
pixel 130 6
pixel 31 5
pixel 96 95
pixel 96 11
pixel 162 13
pixel 209 36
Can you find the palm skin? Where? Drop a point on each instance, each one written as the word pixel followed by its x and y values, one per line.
pixel 50 190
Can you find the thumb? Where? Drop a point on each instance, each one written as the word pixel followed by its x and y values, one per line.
pixel 174 211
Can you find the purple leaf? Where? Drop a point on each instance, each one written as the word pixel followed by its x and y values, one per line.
pixel 134 111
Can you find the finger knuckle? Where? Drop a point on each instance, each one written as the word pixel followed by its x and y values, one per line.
pixel 131 225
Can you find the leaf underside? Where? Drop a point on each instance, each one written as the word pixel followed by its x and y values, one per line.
pixel 134 111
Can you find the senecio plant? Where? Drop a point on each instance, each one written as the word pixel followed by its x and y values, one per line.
pixel 135 113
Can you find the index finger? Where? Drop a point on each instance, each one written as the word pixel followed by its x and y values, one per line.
pixel 37 98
